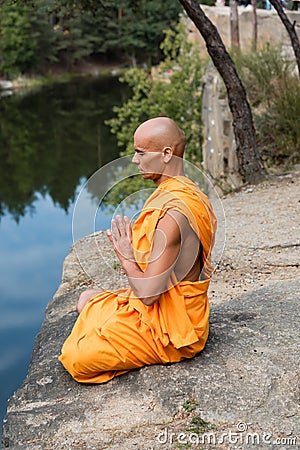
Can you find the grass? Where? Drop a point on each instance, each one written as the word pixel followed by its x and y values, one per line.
pixel 273 89
pixel 190 405
pixel 197 426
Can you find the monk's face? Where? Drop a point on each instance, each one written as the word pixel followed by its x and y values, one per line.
pixel 150 164
pixel 155 143
pixel 150 159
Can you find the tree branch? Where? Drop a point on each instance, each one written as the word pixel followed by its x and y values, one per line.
pixel 290 27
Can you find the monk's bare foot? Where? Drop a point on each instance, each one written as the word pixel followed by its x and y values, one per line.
pixel 85 296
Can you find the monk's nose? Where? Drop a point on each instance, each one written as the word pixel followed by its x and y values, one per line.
pixel 135 159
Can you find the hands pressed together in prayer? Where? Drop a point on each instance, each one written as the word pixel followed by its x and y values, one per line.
pixel 149 284
pixel 120 235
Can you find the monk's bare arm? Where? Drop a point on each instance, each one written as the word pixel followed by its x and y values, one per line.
pixel 148 285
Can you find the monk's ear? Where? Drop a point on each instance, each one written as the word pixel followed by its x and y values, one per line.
pixel 167 154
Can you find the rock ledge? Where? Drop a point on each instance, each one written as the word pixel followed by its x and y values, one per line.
pixel 246 381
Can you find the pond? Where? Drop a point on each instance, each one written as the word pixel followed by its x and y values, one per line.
pixel 51 141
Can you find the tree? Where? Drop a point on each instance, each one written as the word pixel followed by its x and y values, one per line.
pixel 274 95
pixel 133 29
pixel 35 33
pixel 290 27
pixel 129 29
pixel 17 44
pixel 234 24
pixel 26 36
pixel 250 164
pixel 254 25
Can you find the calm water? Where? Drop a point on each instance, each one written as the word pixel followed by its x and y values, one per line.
pixel 51 141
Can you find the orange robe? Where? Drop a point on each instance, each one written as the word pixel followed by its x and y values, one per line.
pixel 116 332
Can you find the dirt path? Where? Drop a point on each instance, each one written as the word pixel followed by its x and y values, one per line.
pixel 262 237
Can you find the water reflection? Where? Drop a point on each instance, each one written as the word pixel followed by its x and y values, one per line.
pixel 32 252
pixel 50 139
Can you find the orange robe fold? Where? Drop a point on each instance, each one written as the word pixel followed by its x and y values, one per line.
pixel 116 332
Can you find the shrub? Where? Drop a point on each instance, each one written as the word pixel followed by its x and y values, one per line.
pixel 273 90
pixel 173 89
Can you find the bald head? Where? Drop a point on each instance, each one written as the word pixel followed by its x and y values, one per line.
pixel 159 133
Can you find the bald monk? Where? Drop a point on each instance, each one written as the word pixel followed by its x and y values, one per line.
pixel 162 316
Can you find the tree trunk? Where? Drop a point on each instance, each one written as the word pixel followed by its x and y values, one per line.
pixel 254 26
pixel 234 24
pixel 251 166
pixel 290 27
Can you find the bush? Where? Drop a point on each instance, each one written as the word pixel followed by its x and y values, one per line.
pixel 278 128
pixel 273 90
pixel 173 89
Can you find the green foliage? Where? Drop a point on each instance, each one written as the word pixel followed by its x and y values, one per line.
pixel 129 193
pixel 278 128
pixel 274 93
pixel 261 71
pixel 185 446
pixel 172 90
pixel 135 28
pixel 26 37
pixel 17 45
pixel 208 2
pixel 190 405
pixel 199 425
pixel 72 43
pixel 38 32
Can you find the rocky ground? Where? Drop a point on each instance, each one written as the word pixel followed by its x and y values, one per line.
pixel 262 226
pixel 244 388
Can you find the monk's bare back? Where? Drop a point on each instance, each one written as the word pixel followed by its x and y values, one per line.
pixel 189 261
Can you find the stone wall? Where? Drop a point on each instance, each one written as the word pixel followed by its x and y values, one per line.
pixel 270 28
pixel 219 155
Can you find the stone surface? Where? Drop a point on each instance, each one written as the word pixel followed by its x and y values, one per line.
pixel 249 372
pixel 245 383
pixel 219 148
